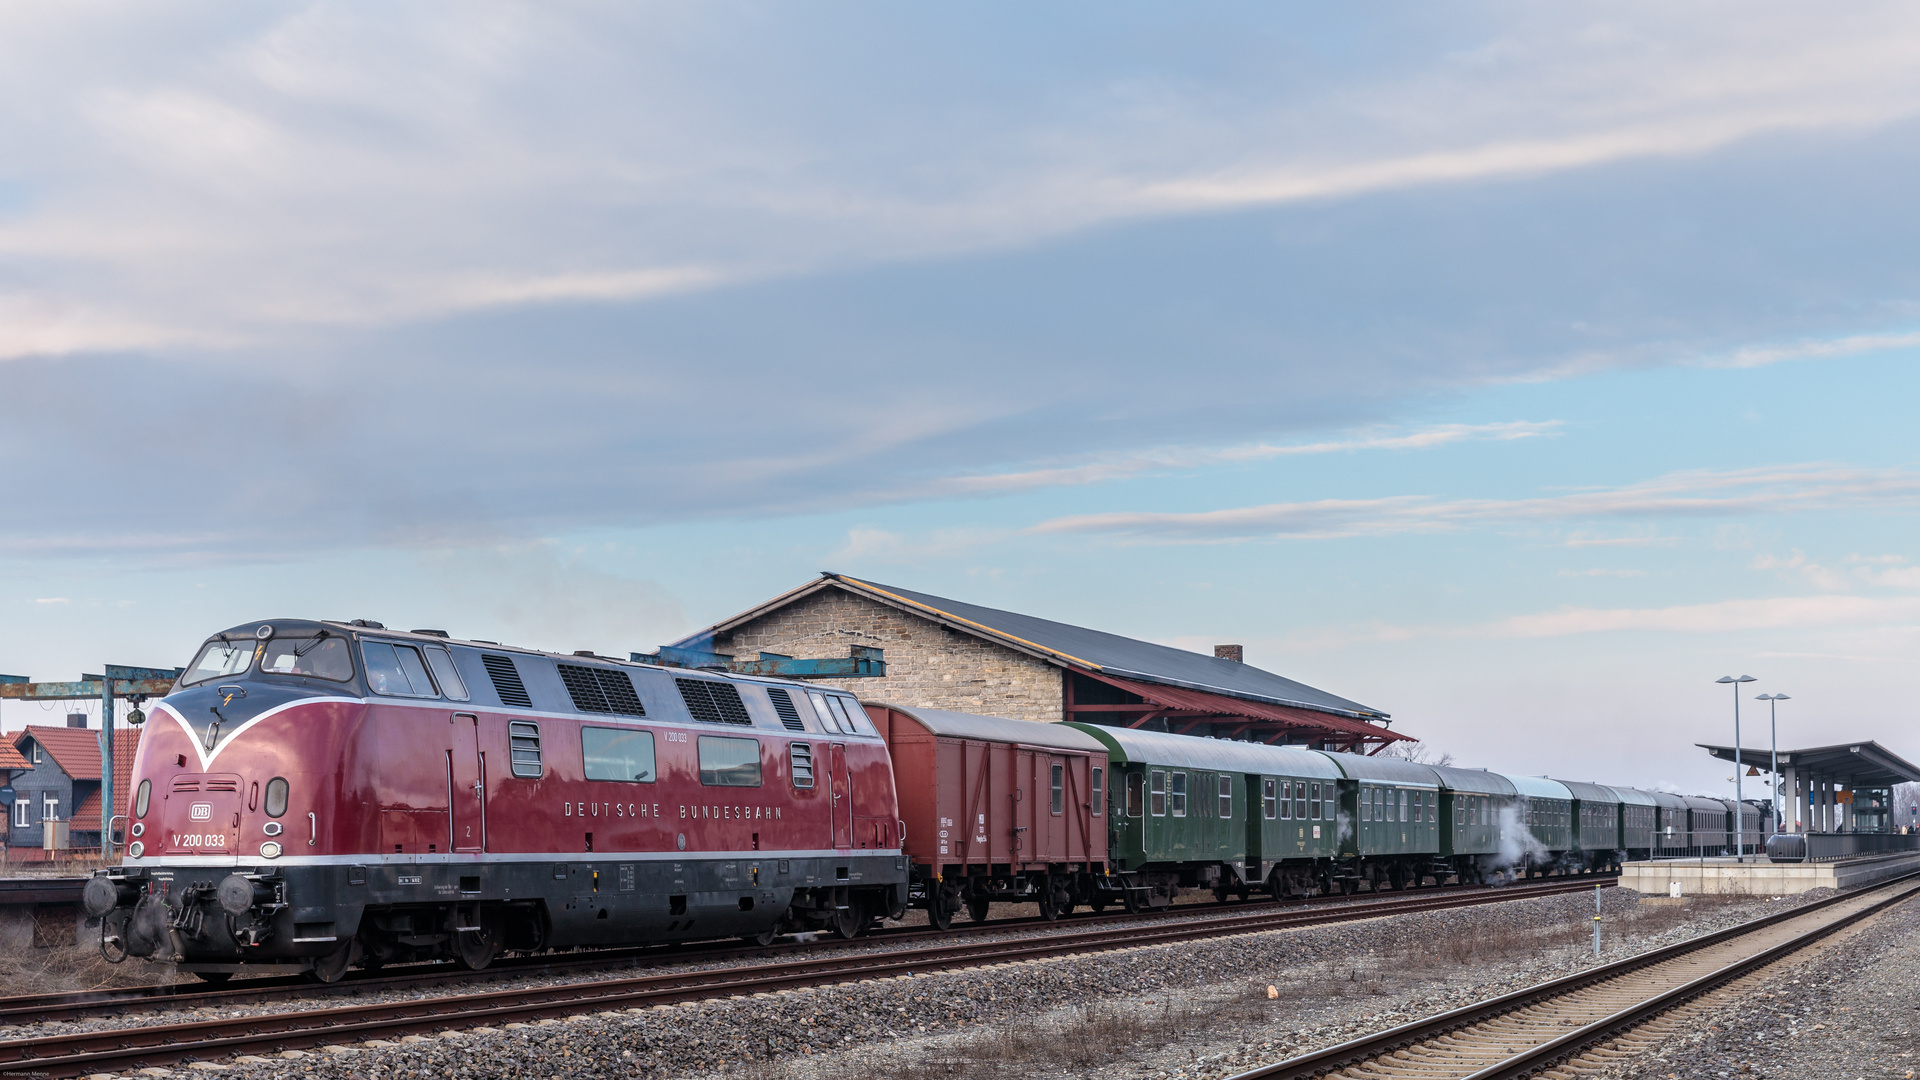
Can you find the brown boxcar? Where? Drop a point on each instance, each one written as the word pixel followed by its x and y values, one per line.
pixel 997 810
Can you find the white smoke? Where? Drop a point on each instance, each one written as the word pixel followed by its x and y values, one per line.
pixel 1517 844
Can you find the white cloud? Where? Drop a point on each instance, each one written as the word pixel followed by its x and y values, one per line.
pixel 1702 493
pixel 1124 466
pixel 204 178
pixel 1719 617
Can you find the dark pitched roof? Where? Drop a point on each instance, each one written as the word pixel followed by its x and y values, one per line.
pixel 1865 763
pixel 1080 647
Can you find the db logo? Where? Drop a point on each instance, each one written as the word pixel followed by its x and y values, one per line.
pixel 201 811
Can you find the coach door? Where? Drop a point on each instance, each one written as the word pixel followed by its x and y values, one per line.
pixel 842 796
pixel 467 799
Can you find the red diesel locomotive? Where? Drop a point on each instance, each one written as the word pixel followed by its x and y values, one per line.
pixel 325 794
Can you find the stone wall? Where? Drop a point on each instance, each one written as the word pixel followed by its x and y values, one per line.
pixel 927 664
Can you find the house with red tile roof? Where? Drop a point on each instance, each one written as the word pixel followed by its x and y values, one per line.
pixel 61 781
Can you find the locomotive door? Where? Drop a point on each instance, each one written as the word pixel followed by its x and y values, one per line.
pixel 842 782
pixel 467 798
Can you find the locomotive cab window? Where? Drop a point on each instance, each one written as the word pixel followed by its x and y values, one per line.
pixel 219 660
pixel 1099 774
pixel 617 754
pixel 1177 794
pixel 1057 787
pixel 1157 793
pixel 396 670
pixel 451 684
pixel 727 762
pixel 323 656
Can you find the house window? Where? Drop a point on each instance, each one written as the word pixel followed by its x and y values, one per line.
pixel 36 752
pixel 50 807
pixel 22 812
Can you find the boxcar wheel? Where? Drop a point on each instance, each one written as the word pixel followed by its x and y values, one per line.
pixel 977 909
pixel 939 915
pixel 1049 909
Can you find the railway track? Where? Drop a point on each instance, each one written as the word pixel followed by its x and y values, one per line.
pixel 124 1048
pixel 35 1008
pixel 1546 1028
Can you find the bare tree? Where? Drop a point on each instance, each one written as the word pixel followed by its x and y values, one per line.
pixel 1418 753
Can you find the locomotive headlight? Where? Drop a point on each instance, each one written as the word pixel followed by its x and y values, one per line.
pixel 136 848
pixel 271 828
pixel 270 849
pixel 139 828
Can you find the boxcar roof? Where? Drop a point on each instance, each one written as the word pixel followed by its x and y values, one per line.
pixel 1539 787
pixel 1477 781
pixel 1383 770
pixel 1634 796
pixel 1594 793
pixel 961 725
pixel 1136 747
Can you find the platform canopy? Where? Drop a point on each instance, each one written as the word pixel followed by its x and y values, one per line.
pixel 1858 765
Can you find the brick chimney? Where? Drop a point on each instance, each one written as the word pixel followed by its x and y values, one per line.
pixel 1230 652
pixel 76 719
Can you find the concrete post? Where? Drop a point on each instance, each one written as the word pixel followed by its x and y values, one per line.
pixel 1790 816
pixel 1819 804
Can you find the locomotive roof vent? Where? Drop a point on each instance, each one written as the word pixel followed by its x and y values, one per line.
pixel 601 690
pixel 431 633
pixel 506 680
pixel 369 624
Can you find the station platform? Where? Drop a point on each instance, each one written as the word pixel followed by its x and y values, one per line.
pixel 1725 876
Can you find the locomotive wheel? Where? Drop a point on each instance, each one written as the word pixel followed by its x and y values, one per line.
pixel 475 949
pixel 332 967
pixel 214 977
pixel 763 939
pixel 977 909
pixel 848 923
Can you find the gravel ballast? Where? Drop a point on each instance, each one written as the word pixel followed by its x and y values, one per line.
pixel 1195 1009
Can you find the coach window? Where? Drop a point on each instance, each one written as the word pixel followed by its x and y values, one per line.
pixel 1177 794
pixel 1366 804
pixel 1057 787
pixel 617 754
pixel 1226 798
pixel 1134 801
pixel 1403 805
pixel 395 670
pixel 1270 799
pixel 726 762
pixel 1313 801
pixel 1157 793
pixel 323 656
pixel 1099 775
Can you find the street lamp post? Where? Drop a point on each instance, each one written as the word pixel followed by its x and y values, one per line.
pixel 1739 835
pixel 1773 725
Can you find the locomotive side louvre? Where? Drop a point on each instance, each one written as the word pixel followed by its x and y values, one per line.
pixel 998 810
pixel 1476 807
pixel 440 796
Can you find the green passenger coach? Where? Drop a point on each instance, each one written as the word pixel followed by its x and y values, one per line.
pixel 1389 821
pixel 1180 812
pixel 1473 804
pixel 1291 832
pixel 1545 823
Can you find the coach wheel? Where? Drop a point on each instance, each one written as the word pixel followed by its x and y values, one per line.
pixel 1098 906
pixel 332 967
pixel 1349 886
pixel 1220 893
pixel 1132 902
pixel 977 908
pixel 764 938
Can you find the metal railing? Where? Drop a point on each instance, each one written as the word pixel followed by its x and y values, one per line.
pixel 1825 847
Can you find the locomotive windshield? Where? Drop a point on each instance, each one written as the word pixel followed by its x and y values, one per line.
pixel 219 659
pixel 323 657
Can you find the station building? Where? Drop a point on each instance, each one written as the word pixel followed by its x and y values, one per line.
pixel 948 654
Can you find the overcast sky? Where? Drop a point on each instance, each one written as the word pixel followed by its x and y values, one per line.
pixel 1515 369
